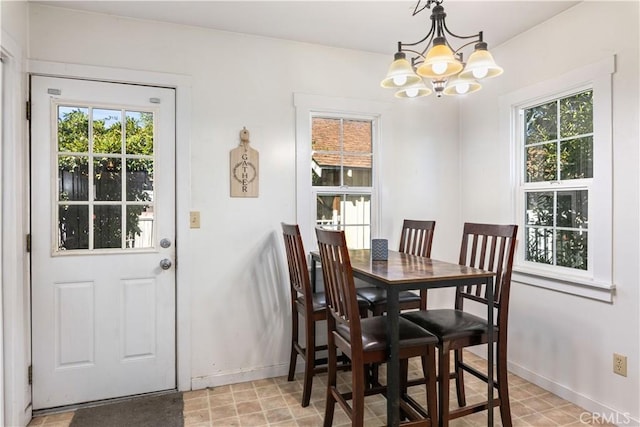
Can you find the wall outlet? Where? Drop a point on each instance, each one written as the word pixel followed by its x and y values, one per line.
pixel 619 364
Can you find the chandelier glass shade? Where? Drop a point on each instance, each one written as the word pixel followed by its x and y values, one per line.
pixel 439 62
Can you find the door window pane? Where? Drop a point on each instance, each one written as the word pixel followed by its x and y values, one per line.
pixel 73 227
pixel 107 131
pixel 139 132
pixel 73 129
pixel 139 226
pixel 107 226
pixel 73 178
pixel 139 180
pixel 107 178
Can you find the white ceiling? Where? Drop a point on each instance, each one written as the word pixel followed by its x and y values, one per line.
pixel 374 26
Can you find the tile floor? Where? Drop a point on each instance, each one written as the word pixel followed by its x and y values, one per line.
pixel 276 402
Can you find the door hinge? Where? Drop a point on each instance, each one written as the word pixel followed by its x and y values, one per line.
pixel 28 242
pixel 30 374
pixel 28 110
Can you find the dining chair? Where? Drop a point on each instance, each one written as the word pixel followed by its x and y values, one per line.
pixel 416 239
pixel 308 305
pixel 488 247
pixel 364 340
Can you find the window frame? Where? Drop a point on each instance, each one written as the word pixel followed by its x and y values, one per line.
pixel 555 187
pixel 596 282
pixel 309 106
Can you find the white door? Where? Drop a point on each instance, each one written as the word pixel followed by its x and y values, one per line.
pixel 103 227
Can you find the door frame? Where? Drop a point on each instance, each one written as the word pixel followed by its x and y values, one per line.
pixel 14 309
pixel 182 85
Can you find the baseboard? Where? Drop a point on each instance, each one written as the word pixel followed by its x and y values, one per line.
pixel 595 411
pixel 240 376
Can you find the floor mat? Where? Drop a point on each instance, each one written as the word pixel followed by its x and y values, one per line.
pixel 154 411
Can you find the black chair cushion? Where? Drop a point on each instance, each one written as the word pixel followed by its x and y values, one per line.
pixel 320 301
pixel 379 296
pixel 448 324
pixel 374 334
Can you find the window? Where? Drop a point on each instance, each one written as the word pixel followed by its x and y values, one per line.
pixel 105 166
pixel 559 132
pixel 341 175
pixel 558 170
pixel 336 145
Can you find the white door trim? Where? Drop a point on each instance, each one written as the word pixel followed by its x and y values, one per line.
pixel 15 324
pixel 182 84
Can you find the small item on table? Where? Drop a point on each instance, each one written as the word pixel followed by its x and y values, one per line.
pixel 379 249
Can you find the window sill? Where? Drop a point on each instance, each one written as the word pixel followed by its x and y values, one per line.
pixel 586 288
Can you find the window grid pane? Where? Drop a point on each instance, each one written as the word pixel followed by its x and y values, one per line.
pixel 341 152
pixel 556 224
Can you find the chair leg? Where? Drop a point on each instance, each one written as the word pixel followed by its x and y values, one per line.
pixel 429 372
pixel 462 400
pixel 310 361
pixel 294 339
pixel 358 387
pixel 404 376
pixel 443 383
pixel 332 373
pixel 503 390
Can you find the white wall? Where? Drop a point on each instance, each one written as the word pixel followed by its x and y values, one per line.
pixel 13 16
pixel 239 311
pixel 14 301
pixel 560 341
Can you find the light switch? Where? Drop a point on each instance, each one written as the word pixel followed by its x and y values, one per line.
pixel 194 219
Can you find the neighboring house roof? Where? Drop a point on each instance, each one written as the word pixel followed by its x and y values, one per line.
pixel 356 139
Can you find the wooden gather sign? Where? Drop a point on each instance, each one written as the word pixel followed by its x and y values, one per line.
pixel 244 169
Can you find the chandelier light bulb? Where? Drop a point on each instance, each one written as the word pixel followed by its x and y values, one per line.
pixel 439 68
pixel 411 92
pixel 462 88
pixel 399 80
pixel 481 72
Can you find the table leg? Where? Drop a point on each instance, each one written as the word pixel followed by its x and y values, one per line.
pixel 393 365
pixel 490 339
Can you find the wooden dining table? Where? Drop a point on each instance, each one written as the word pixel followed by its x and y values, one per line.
pixel 402 272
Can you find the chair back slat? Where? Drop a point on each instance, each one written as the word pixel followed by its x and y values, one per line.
pixel 297 262
pixel 338 281
pixel 417 237
pixel 488 247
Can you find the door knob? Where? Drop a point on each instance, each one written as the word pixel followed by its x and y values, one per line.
pixel 165 264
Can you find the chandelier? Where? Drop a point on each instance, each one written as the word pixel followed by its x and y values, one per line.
pixel 439 62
